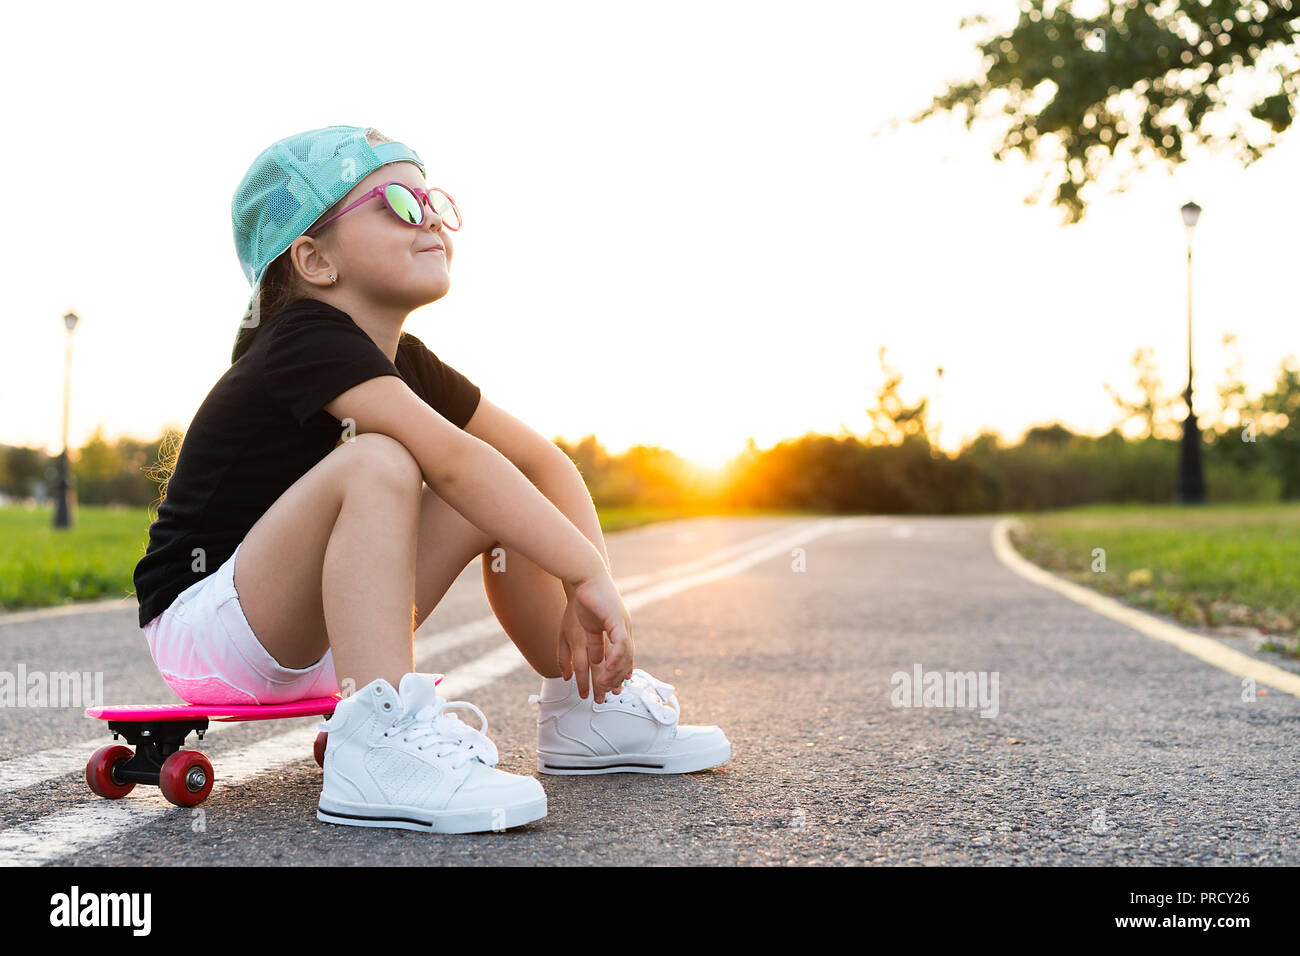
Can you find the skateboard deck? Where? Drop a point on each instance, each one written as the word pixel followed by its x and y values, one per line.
pixel 158 731
pixel 311 707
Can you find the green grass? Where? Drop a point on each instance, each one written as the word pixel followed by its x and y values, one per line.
pixel 1207 566
pixel 95 558
pixel 41 566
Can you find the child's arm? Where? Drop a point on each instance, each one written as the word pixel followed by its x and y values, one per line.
pixel 558 478
pixel 544 464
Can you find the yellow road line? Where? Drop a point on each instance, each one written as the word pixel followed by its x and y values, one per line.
pixel 1206 648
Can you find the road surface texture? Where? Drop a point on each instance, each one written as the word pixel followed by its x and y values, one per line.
pixel 1101 745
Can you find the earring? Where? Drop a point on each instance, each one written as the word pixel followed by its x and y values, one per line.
pixel 332 279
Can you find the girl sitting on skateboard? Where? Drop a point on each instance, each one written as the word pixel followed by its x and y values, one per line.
pixel 357 475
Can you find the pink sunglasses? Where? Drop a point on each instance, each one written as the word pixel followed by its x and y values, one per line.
pixel 407 204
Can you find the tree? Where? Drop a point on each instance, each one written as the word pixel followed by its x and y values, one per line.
pixel 1281 407
pixel 1143 81
pixel 24 470
pixel 892 420
pixel 1232 390
pixel 1151 408
pixel 1049 437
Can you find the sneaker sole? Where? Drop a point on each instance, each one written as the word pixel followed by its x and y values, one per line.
pixel 572 765
pixel 446 821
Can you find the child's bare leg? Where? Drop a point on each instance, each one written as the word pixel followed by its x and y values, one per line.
pixel 332 563
pixel 528 601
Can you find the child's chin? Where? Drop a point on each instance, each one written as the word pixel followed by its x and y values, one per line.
pixel 434 292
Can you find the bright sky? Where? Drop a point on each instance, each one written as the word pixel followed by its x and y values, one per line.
pixel 680 229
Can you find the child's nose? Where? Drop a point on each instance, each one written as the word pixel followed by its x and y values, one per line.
pixel 433 218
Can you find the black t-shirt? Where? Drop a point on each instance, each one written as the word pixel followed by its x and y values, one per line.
pixel 263 426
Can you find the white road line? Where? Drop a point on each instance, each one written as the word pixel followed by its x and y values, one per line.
pixel 787 541
pixel 506 657
pixel 1199 646
pixel 483 670
pixel 69 831
pixel 58 834
pixel 27 771
pixel 440 642
pixel 18 773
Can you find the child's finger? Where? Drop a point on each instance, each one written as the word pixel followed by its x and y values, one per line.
pixel 619 659
pixel 610 679
pixel 595 655
pixel 618 672
pixel 581 669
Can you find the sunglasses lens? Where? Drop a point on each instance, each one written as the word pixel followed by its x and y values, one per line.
pixel 445 209
pixel 405 203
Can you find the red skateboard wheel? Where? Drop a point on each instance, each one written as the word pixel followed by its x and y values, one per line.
pixel 318 748
pixel 185 778
pixel 99 771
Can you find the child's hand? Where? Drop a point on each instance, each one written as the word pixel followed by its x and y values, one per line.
pixel 595 611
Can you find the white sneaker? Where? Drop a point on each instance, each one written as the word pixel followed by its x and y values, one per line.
pixel 632 732
pixel 398 758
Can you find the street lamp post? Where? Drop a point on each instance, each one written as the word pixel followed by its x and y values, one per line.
pixel 62 514
pixel 1191 483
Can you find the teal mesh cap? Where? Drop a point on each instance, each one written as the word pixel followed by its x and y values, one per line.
pixel 294 180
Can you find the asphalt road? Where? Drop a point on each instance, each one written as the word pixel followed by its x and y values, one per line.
pixel 1105 747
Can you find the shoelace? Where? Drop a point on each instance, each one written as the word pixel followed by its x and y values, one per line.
pixel 432 725
pixel 658 696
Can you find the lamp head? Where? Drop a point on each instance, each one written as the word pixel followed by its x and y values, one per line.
pixel 1191 213
pixel 70 320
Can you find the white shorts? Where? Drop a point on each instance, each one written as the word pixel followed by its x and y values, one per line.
pixel 208 654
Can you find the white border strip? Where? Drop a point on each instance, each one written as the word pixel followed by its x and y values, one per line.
pixel 1205 648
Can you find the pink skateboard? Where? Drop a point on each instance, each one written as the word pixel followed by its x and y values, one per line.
pixel 158 733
